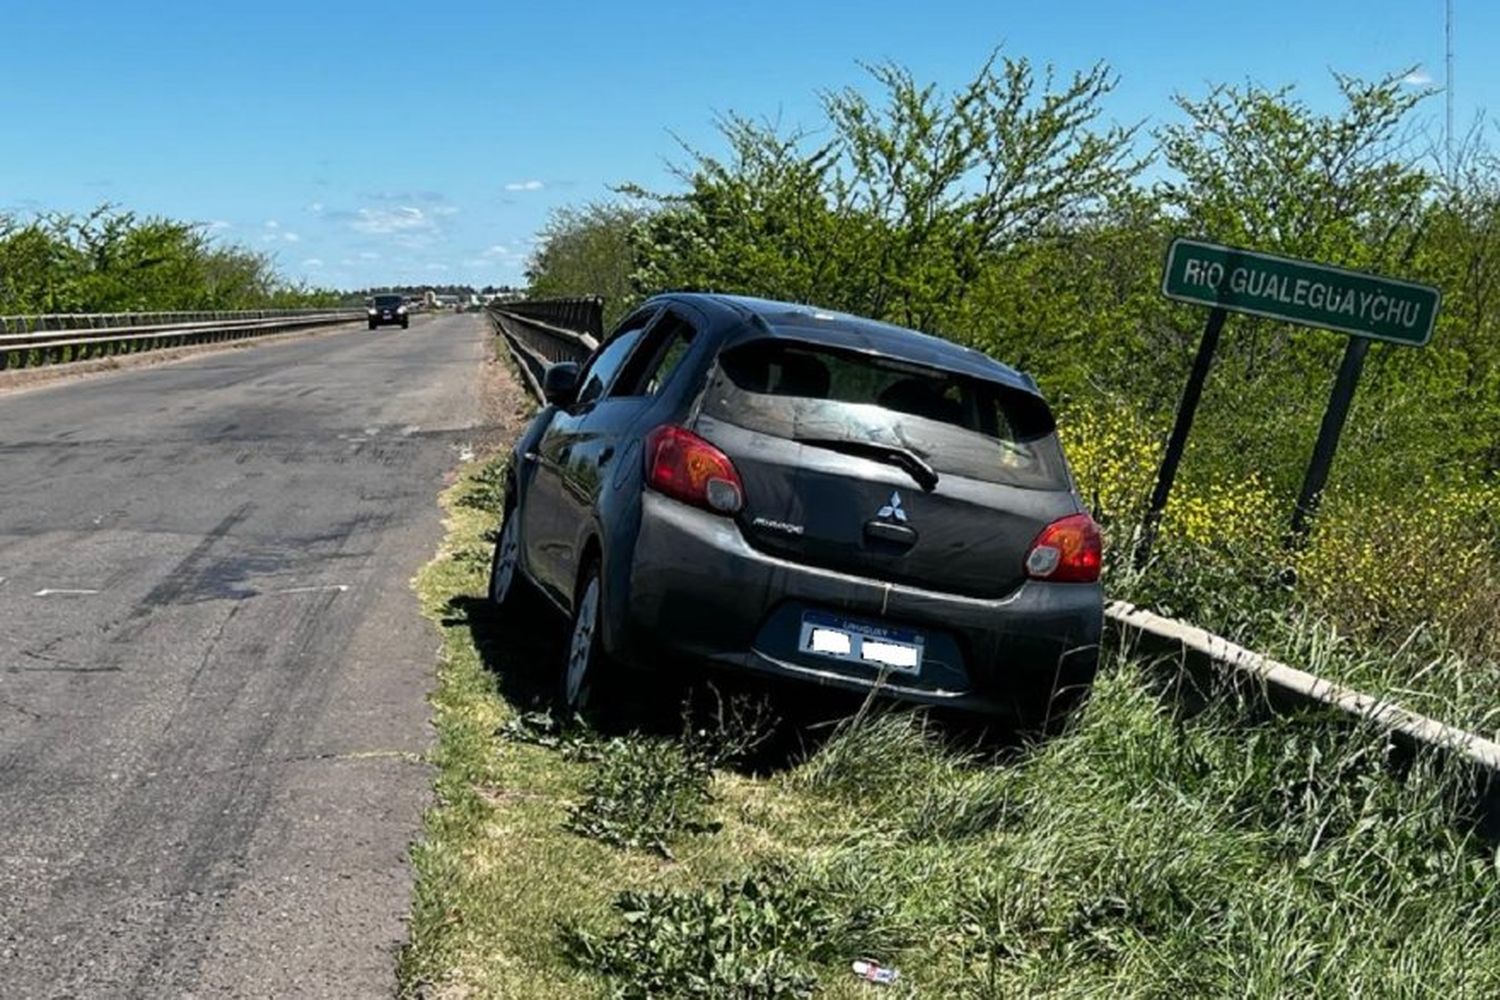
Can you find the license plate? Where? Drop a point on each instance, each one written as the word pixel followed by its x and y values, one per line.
pixel 880 646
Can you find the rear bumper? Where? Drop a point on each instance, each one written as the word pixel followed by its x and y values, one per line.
pixel 699 592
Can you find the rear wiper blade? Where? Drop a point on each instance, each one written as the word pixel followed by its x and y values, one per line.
pixel 906 459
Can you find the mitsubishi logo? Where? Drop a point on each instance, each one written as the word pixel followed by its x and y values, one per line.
pixel 892 511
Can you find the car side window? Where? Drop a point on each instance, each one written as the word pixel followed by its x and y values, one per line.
pixel 605 363
pixel 659 354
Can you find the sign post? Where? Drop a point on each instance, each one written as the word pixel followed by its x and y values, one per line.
pixel 1186 410
pixel 1365 306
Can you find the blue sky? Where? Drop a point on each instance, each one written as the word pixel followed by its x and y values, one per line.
pixel 370 143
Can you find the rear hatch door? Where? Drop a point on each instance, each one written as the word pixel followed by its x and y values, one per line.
pixel 885 469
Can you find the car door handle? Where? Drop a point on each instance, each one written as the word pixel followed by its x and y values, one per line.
pixel 893 536
pixel 607 454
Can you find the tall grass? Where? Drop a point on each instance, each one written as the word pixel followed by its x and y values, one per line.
pixel 1148 852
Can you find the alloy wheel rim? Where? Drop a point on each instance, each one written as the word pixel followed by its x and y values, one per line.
pixel 580 650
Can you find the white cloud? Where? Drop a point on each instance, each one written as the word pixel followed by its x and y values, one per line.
pixel 437 267
pixel 272 224
pixel 312 262
pixel 219 225
pixel 291 237
pixel 1418 77
pixel 424 197
pixel 368 255
pixel 379 221
pixel 524 186
pixel 316 208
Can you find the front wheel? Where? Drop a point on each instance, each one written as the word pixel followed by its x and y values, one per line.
pixel 406 324
pixel 504 567
pixel 374 325
pixel 584 662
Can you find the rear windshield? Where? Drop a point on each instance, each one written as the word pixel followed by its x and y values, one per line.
pixel 388 300
pixel 959 425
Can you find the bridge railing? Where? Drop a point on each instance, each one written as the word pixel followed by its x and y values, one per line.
pixel 43 322
pixel 28 341
pixel 581 314
pixel 541 332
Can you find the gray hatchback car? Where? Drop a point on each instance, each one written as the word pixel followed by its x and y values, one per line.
pixel 759 486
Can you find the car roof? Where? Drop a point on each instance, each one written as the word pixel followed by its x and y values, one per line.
pixel 856 333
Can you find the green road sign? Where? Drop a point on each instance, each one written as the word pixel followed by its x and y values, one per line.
pixel 1299 291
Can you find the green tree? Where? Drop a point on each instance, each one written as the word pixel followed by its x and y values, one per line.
pixel 587 251
pixel 900 212
pixel 111 260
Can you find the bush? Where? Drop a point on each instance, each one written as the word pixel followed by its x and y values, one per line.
pixel 113 261
pixel 645 793
pixel 757 938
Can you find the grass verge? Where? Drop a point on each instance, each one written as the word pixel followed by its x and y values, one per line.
pixel 1146 853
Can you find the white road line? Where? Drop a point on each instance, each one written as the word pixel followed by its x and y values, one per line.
pixel 61 592
pixel 340 587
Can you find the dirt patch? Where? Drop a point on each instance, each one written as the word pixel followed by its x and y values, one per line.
pixel 504 404
pixel 27 378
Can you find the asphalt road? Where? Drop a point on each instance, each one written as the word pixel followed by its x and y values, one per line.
pixel 213 669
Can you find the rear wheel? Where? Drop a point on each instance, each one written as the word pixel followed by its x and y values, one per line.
pixel 373 325
pixel 583 664
pixel 406 324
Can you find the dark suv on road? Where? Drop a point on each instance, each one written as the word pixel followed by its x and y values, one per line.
pixel 388 310
pixel 767 487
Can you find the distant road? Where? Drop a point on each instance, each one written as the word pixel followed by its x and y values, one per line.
pixel 212 668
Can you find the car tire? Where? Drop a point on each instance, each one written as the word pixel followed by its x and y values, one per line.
pixel 374 325
pixel 406 324
pixel 584 667
pixel 506 580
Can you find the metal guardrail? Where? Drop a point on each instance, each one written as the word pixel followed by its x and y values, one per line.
pixel 584 314
pixel 1191 651
pixel 27 341
pixel 536 343
pixel 1199 658
pixel 93 321
pixel 1286 684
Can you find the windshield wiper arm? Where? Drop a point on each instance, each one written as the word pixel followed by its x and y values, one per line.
pixel 904 458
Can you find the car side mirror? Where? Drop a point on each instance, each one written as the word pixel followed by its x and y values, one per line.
pixel 560 383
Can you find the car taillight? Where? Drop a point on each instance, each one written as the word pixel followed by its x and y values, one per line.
pixel 685 467
pixel 1067 551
